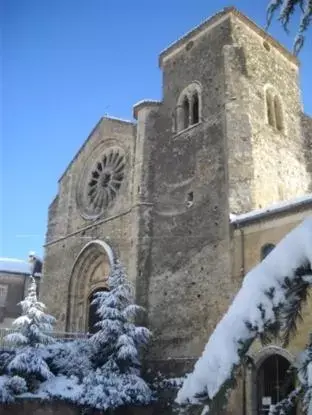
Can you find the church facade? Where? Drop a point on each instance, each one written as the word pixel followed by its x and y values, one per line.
pixel 189 196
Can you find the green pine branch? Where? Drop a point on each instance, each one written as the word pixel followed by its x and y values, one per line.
pixel 297 294
pixel 287 9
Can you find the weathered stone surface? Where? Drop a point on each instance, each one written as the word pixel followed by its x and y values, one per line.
pixel 169 222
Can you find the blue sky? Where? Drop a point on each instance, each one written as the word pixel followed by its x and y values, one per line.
pixel 65 63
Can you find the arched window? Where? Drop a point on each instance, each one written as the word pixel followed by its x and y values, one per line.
pixel 93 317
pixel 274 382
pixel 195 108
pixel 274 109
pixel 186 112
pixel 265 250
pixel 189 107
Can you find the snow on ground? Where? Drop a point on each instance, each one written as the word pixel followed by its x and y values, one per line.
pixel 15 265
pixel 220 356
pixel 61 387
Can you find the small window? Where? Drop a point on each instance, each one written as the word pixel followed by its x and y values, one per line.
pixel 270 108
pixel 265 250
pixel 195 109
pixel 186 112
pixel 3 291
pixel 190 199
pixel 278 113
pixel 274 110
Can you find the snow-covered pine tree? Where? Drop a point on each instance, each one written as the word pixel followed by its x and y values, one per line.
pixel 32 332
pixel 116 380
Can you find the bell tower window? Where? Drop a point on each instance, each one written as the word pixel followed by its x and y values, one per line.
pixel 186 112
pixel 188 108
pixel 274 109
pixel 278 113
pixel 195 108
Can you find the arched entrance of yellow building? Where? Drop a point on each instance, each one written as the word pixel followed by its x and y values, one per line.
pixel 274 382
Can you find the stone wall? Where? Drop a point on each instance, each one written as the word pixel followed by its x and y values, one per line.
pixel 266 164
pixel 189 259
pixel 70 227
pixel 170 220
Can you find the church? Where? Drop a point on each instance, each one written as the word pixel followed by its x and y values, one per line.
pixel 190 196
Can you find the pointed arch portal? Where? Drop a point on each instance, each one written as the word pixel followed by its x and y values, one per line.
pixel 89 275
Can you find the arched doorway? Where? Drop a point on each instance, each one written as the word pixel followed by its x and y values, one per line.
pixel 93 317
pixel 274 382
pixel 89 274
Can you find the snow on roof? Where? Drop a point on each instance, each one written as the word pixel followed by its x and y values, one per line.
pixel 113 118
pixel 144 102
pixel 275 208
pixel 147 101
pixel 15 265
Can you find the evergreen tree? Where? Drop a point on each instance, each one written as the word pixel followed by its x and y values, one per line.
pixel 32 333
pixel 116 380
pixel 287 8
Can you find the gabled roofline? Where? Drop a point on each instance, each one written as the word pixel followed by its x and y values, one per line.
pixel 227 12
pixel 119 120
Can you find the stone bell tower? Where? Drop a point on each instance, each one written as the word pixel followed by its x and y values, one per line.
pixel 225 138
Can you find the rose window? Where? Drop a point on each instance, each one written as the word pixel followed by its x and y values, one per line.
pixel 105 180
pixel 100 184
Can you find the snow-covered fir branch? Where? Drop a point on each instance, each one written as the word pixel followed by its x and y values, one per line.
pixel 32 333
pixel 34 326
pixel 255 310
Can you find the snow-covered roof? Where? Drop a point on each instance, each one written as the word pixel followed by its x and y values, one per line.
pixel 113 118
pixel 15 265
pixel 142 103
pixel 272 209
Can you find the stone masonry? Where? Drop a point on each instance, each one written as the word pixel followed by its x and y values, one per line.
pixel 228 136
